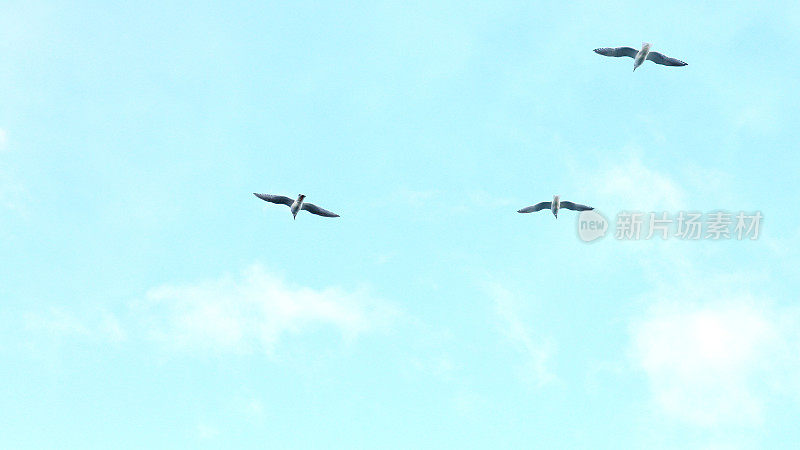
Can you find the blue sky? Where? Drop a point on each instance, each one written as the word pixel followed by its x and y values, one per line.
pixel 149 300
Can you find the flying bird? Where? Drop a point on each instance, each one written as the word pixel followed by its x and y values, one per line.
pixel 554 206
pixel 296 205
pixel 640 56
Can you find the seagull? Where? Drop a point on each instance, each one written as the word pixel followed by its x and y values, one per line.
pixel 554 206
pixel 296 205
pixel 640 56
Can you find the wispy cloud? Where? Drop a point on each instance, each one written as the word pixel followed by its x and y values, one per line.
pixel 249 313
pixel 415 198
pixel 758 116
pixel 12 192
pixel 713 347
pixel 536 352
pixel 206 432
pixel 467 202
pixel 56 322
pixel 59 323
pixel 255 311
pixel 632 185
pixel 714 353
pixel 468 403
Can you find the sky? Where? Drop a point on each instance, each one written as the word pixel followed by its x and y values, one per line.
pixel 149 300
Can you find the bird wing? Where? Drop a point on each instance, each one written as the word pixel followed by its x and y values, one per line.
pixel 536 207
pixel 617 52
pixel 279 199
pixel 658 58
pixel 314 209
pixel 575 206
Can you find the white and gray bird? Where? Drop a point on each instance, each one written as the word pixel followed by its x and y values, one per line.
pixel 296 205
pixel 554 206
pixel 640 55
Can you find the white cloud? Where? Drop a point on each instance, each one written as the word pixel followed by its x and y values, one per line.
pixel 111 328
pixel 536 351
pixel 713 347
pixel 759 110
pixel 633 186
pixel 255 311
pixel 757 117
pixel 415 198
pixel 56 322
pixel 484 199
pixel 12 193
pixel 468 404
pixel 206 432
pixel 419 202
pixel 59 323
pixel 713 353
pixel 254 408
